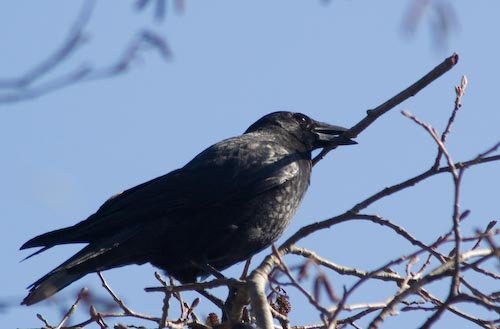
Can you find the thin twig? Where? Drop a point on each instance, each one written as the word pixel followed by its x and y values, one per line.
pixel 74 39
pixel 459 91
pixel 431 277
pixel 489 227
pixel 72 308
pixel 284 268
pixel 119 302
pixel 412 90
pixel 27 87
pixel 429 297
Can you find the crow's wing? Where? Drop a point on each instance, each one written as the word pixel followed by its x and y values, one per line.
pixel 233 170
pixel 230 172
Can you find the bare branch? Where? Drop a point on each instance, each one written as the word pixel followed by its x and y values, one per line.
pixel 74 39
pixel 72 308
pixel 459 91
pixel 372 115
pixel 490 226
pixel 28 86
pixel 433 276
pixel 454 310
pixel 350 214
pixel 383 276
pixel 282 266
pixel 119 302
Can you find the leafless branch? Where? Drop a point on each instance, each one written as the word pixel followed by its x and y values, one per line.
pixel 372 115
pixel 119 302
pixel 71 309
pixel 31 85
pixel 284 268
pixel 74 40
pixel 459 91
pixel 434 275
pixel 456 170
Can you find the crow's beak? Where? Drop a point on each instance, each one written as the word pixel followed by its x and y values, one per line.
pixel 329 135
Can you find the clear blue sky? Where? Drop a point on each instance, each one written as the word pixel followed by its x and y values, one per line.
pixel 65 153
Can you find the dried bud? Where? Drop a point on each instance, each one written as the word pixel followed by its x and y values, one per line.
pixel 283 305
pixel 160 278
pixel 464 215
pixel 93 312
pixel 464 82
pixel 413 260
pixel 120 326
pixel 195 303
pixel 389 270
pixel 212 320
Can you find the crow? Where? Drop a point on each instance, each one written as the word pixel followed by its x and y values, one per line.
pixel 229 202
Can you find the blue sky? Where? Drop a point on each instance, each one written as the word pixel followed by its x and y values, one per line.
pixel 66 152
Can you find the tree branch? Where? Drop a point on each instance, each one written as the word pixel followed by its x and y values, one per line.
pixel 372 115
pixel 28 86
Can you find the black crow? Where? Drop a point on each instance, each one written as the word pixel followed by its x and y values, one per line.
pixel 231 201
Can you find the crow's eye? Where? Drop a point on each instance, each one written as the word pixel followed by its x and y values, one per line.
pixel 302 119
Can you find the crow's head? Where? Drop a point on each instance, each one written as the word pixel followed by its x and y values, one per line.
pixel 306 131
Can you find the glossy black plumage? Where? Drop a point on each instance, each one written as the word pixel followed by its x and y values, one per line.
pixel 231 201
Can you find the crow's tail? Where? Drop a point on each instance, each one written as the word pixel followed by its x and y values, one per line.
pixel 49 285
pixel 114 251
